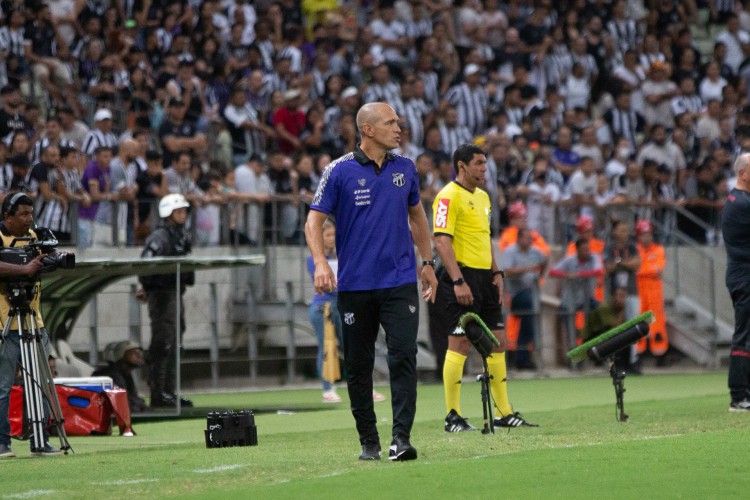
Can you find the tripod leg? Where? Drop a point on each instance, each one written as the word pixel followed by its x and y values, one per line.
pixel 31 390
pixel 489 427
pixel 618 378
pixel 47 387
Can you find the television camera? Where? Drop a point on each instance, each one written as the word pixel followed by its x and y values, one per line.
pixel 20 288
pixel 39 385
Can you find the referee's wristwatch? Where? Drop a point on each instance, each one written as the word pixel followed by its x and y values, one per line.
pixel 429 263
pixel 458 281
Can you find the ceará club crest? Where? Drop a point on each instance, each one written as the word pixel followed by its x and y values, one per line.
pixel 398 179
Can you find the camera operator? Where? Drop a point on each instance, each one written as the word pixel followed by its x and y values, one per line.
pixel 170 239
pixel 18 220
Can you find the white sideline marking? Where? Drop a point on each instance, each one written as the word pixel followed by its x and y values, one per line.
pixel 333 474
pixel 478 457
pixel 579 445
pixel 31 494
pixel 121 482
pixel 220 468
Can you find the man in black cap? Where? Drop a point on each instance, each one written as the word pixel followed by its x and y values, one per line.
pixel 187 87
pixel 152 186
pixel 73 130
pixel 21 182
pixel 11 118
pixel 178 134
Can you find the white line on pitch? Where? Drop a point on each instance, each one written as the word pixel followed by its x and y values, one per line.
pixel 121 482
pixel 220 468
pixel 31 494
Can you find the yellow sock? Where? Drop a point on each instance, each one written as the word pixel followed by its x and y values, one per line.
pixel 498 383
pixel 453 370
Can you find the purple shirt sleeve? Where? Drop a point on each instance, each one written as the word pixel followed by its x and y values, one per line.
pixel 327 196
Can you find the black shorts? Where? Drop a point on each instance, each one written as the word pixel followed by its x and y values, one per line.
pixel 486 298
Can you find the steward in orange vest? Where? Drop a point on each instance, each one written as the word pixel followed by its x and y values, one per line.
pixel 651 288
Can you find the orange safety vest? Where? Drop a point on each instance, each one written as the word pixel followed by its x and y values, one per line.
pixel 651 293
pixel 508 238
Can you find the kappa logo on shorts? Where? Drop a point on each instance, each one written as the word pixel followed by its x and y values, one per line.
pixel 349 318
pixel 441 214
pixel 412 309
pixel 398 179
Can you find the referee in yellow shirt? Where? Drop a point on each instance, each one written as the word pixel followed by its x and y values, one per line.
pixel 470 281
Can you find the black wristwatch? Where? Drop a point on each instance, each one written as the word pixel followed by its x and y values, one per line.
pixel 429 263
pixel 500 272
pixel 458 281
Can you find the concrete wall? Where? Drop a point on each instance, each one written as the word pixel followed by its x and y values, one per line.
pixel 688 271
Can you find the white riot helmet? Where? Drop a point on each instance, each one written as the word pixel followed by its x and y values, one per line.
pixel 170 203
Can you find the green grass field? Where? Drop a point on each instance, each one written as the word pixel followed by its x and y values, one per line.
pixel 681 442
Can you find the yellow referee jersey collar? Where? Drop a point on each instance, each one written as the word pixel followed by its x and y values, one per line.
pixel 455 181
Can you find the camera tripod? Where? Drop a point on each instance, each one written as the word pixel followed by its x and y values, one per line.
pixel 484 378
pixel 618 380
pixel 39 386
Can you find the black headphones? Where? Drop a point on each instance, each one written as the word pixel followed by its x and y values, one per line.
pixel 10 203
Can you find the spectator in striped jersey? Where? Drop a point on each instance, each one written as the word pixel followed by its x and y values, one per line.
pixel 11 118
pixel 623 121
pixel 429 78
pixel 452 133
pixel 101 135
pixel 417 113
pixel 623 29
pixel 420 25
pixel 122 174
pixel 189 88
pixel 688 101
pixel 52 136
pixel 248 132
pixel 279 79
pixel 383 89
pixel 12 39
pixel 320 76
pixel 293 38
pixel 347 104
pixel 65 189
pixel 471 100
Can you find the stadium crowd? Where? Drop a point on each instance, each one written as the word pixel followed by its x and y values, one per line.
pixel 607 109
pixel 584 106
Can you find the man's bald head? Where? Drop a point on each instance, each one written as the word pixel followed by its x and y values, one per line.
pixel 742 163
pixel 378 127
pixel 742 171
pixel 371 113
pixel 129 147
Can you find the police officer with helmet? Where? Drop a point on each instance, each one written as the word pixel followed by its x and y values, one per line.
pixel 170 239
